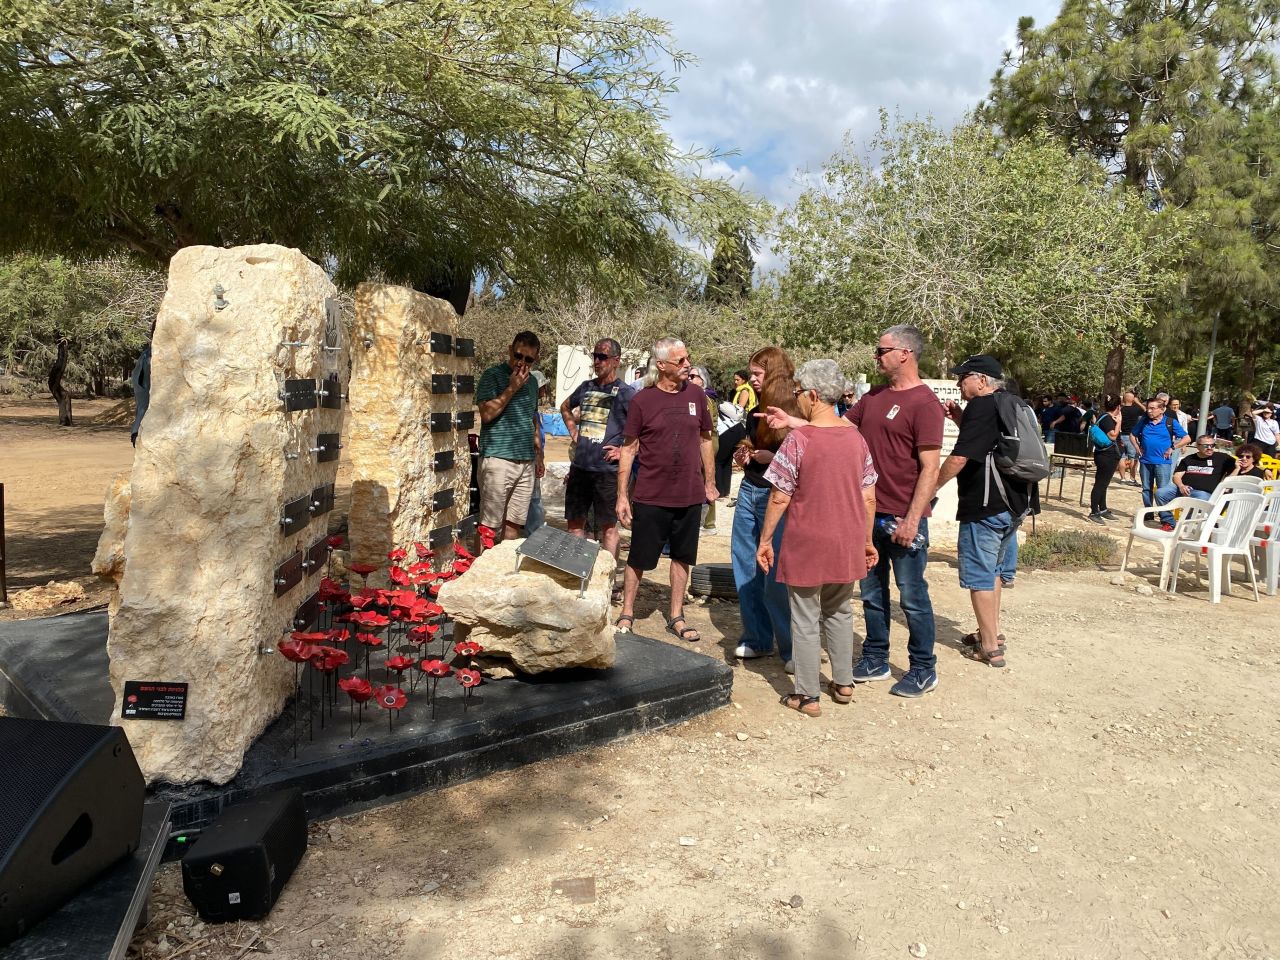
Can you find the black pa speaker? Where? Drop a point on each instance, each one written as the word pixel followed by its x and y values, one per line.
pixel 70 807
pixel 240 863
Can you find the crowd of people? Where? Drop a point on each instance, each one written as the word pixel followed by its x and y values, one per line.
pixel 836 492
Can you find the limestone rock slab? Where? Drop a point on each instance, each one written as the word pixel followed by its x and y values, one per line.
pixel 108 560
pixel 533 619
pixel 392 448
pixel 217 457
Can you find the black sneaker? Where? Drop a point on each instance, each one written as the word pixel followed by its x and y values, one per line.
pixel 1096 518
pixel 1108 515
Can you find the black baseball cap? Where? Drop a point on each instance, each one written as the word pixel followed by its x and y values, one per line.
pixel 979 363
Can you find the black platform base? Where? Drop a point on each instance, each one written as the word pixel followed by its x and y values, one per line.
pixel 56 668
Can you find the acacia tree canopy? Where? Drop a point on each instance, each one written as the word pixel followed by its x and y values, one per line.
pixel 422 140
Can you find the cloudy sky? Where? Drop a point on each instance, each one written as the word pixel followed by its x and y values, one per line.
pixel 782 81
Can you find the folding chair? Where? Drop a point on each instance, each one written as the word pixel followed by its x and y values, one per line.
pixel 1224 534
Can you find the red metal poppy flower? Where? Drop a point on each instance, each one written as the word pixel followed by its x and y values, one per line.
pixel 337 635
pixel 372 621
pixel 296 651
pixel 304 637
pixel 467 648
pixel 460 567
pixel 469 678
pixel 460 551
pixel 363 569
pixel 331 590
pixel 398 554
pixel 398 576
pixel 423 551
pixel 335 541
pixel 432 609
pixel 369 639
pixel 419 568
pixel 328 659
pixel 435 668
pixel 424 633
pixel 399 663
pixel 390 698
pixel 357 688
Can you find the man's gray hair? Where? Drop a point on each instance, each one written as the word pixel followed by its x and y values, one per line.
pixel 908 336
pixel 661 351
pixel 994 382
pixel 824 378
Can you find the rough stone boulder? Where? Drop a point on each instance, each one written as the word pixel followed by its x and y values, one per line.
pixel 533 620
pixel 108 561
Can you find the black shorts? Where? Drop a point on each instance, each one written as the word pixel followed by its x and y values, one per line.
pixel 653 527
pixel 584 489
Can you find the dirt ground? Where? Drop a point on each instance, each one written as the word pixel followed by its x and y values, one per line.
pixel 1113 793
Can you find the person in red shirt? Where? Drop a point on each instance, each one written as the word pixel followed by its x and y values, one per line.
pixel 669 428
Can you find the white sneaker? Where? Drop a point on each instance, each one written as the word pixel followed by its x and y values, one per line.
pixel 789 667
pixel 744 652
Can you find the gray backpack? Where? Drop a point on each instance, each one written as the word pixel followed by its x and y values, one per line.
pixel 1020 453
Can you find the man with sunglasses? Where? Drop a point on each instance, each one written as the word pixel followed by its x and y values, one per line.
pixel 510 450
pixel 593 415
pixel 1198 475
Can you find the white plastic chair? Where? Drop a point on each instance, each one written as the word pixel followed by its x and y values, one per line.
pixel 1224 534
pixel 1266 537
pixel 1190 512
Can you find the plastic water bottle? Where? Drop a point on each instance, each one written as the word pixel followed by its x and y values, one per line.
pixel 890 525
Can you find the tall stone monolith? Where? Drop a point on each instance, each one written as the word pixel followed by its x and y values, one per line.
pixel 220 464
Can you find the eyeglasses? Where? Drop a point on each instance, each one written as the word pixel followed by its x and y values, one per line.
pixel 682 362
pixel 881 351
pixel 602 357
pixel 797 391
pixel 524 357
pixel 695 375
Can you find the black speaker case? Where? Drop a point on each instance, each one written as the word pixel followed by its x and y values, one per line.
pixel 239 865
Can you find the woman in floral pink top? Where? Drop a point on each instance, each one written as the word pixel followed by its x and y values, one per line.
pixel 824 481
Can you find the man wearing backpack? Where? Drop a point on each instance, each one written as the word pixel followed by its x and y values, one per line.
pixel 1157 437
pixel 993 501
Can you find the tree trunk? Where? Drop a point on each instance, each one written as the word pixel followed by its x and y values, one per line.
pixel 55 385
pixel 1113 376
pixel 1248 365
pixel 100 382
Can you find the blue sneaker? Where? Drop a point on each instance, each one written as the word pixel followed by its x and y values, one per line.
pixel 915 683
pixel 868 669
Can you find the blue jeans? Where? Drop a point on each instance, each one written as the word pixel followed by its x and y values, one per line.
pixel 1154 476
pixel 913 597
pixel 1169 491
pixel 988 549
pixel 762 601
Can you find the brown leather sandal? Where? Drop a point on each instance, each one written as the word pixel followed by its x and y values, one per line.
pixel 809 706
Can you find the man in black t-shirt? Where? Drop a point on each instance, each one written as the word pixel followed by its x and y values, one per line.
pixel 991 505
pixel 1131 412
pixel 1198 475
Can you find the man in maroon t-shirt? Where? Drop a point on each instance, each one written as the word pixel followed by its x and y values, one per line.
pixel 902 424
pixel 669 428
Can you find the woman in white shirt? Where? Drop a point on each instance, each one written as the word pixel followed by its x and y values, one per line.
pixel 1265 431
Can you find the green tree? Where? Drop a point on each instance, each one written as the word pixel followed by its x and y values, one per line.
pixel 1013 248
pixel 732 264
pixel 422 140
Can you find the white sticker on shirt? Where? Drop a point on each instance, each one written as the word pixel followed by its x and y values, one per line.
pixel 893 412
pixel 693 410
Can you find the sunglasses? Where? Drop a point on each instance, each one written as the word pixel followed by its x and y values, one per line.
pixel 602 357
pixel 682 362
pixel 881 351
pixel 525 358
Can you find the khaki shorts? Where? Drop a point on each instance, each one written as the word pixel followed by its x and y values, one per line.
pixel 506 488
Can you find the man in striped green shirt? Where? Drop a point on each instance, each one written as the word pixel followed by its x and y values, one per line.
pixel 510 446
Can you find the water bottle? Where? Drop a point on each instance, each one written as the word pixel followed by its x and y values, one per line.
pixel 890 525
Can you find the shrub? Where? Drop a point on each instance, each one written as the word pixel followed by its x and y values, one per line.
pixel 1065 549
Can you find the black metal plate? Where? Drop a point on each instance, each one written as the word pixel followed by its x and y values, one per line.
pixel 296 514
pixel 299 395
pixel 464 348
pixel 465 421
pixel 564 551
pixel 328 442
pixel 442 500
pixel 466 384
pixel 440 537
pixel 289 574
pixel 307 613
pixel 467 526
pixel 441 383
pixel 441 422
pixel 442 461
pixel 322 500
pixel 317 554
pixel 331 387
pixel 441 343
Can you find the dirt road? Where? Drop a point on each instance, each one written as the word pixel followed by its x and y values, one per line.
pixel 1114 793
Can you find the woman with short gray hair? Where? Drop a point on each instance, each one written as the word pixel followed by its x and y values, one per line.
pixel 824 481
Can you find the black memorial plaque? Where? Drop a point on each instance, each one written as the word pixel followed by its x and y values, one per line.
pixel 152 700
pixel 317 554
pixel 307 613
pixel 329 392
pixel 442 461
pixel 322 500
pixel 464 348
pixel 441 422
pixel 466 384
pixel 440 537
pixel 327 447
pixel 465 421
pixel 442 500
pixel 289 574
pixel 562 550
pixel 299 395
pixel 441 343
pixel 441 383
pixel 467 526
pixel 296 514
